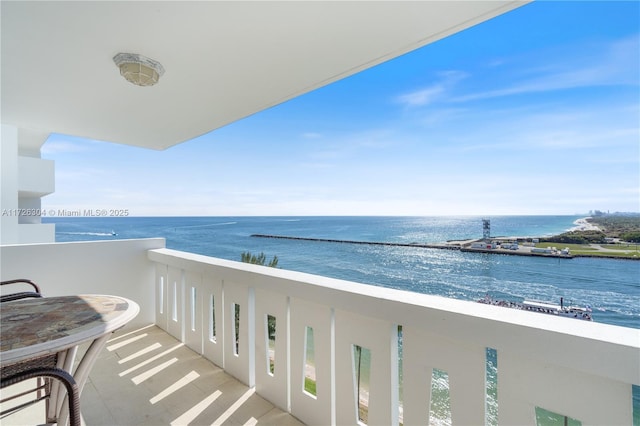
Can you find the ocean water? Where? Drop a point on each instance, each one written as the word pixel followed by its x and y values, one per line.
pixel 610 286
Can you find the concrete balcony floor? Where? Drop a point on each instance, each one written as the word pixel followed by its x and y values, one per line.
pixel 146 377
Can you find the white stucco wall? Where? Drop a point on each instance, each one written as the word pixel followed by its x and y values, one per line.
pixel 24 179
pixel 8 185
pixel 119 267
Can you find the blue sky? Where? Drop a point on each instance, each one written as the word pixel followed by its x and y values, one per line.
pixel 534 112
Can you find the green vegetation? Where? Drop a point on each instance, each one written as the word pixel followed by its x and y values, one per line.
pixel 612 253
pixel 572 247
pixel 631 236
pixel 310 385
pixel 623 227
pixel 261 259
pixel 624 251
pixel 618 227
pixel 621 254
pixel 621 247
pixel 576 237
pixel 615 226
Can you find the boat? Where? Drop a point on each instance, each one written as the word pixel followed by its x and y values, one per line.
pixel 561 310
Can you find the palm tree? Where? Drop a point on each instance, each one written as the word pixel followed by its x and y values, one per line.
pixel 261 259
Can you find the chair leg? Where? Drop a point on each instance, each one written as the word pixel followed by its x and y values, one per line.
pixel 73 393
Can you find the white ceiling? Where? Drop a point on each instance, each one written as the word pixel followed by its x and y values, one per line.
pixel 223 60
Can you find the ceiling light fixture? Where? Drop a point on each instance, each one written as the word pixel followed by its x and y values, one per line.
pixel 138 69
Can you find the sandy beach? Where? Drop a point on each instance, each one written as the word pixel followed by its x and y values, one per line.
pixel 583 225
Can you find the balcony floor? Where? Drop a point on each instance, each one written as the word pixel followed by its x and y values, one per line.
pixel 146 377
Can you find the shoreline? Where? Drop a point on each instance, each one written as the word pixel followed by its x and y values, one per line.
pixel 519 246
pixel 581 224
pixel 584 225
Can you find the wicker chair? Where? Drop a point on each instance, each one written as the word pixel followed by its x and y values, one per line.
pixel 43 369
pixel 22 294
pixel 44 386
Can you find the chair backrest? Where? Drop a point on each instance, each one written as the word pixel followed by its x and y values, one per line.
pixel 20 282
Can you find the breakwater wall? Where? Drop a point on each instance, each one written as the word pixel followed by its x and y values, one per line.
pixel 461 247
pixel 517 253
pixel 371 243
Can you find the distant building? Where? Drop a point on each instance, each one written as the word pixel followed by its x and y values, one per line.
pixel 547 250
pixel 484 245
pixel 486 229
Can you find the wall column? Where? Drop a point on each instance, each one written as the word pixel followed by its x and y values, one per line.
pixel 26 178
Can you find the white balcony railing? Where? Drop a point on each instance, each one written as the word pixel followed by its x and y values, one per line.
pixel 582 370
pixel 578 369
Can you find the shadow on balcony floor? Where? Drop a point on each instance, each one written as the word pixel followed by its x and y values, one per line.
pixel 146 377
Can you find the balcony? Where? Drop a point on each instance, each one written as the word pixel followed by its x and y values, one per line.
pixel 218 318
pixel 145 376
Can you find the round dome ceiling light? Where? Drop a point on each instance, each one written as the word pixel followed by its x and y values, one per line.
pixel 138 69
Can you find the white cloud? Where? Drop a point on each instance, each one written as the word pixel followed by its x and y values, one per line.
pixel 597 64
pixel 435 92
pixel 422 97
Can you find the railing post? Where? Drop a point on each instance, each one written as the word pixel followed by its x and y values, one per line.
pixel 239 363
pixel 311 409
pixel 380 339
pixel 214 313
pixel 175 309
pixel 194 322
pixel 273 386
pixel 161 287
pixel 251 335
